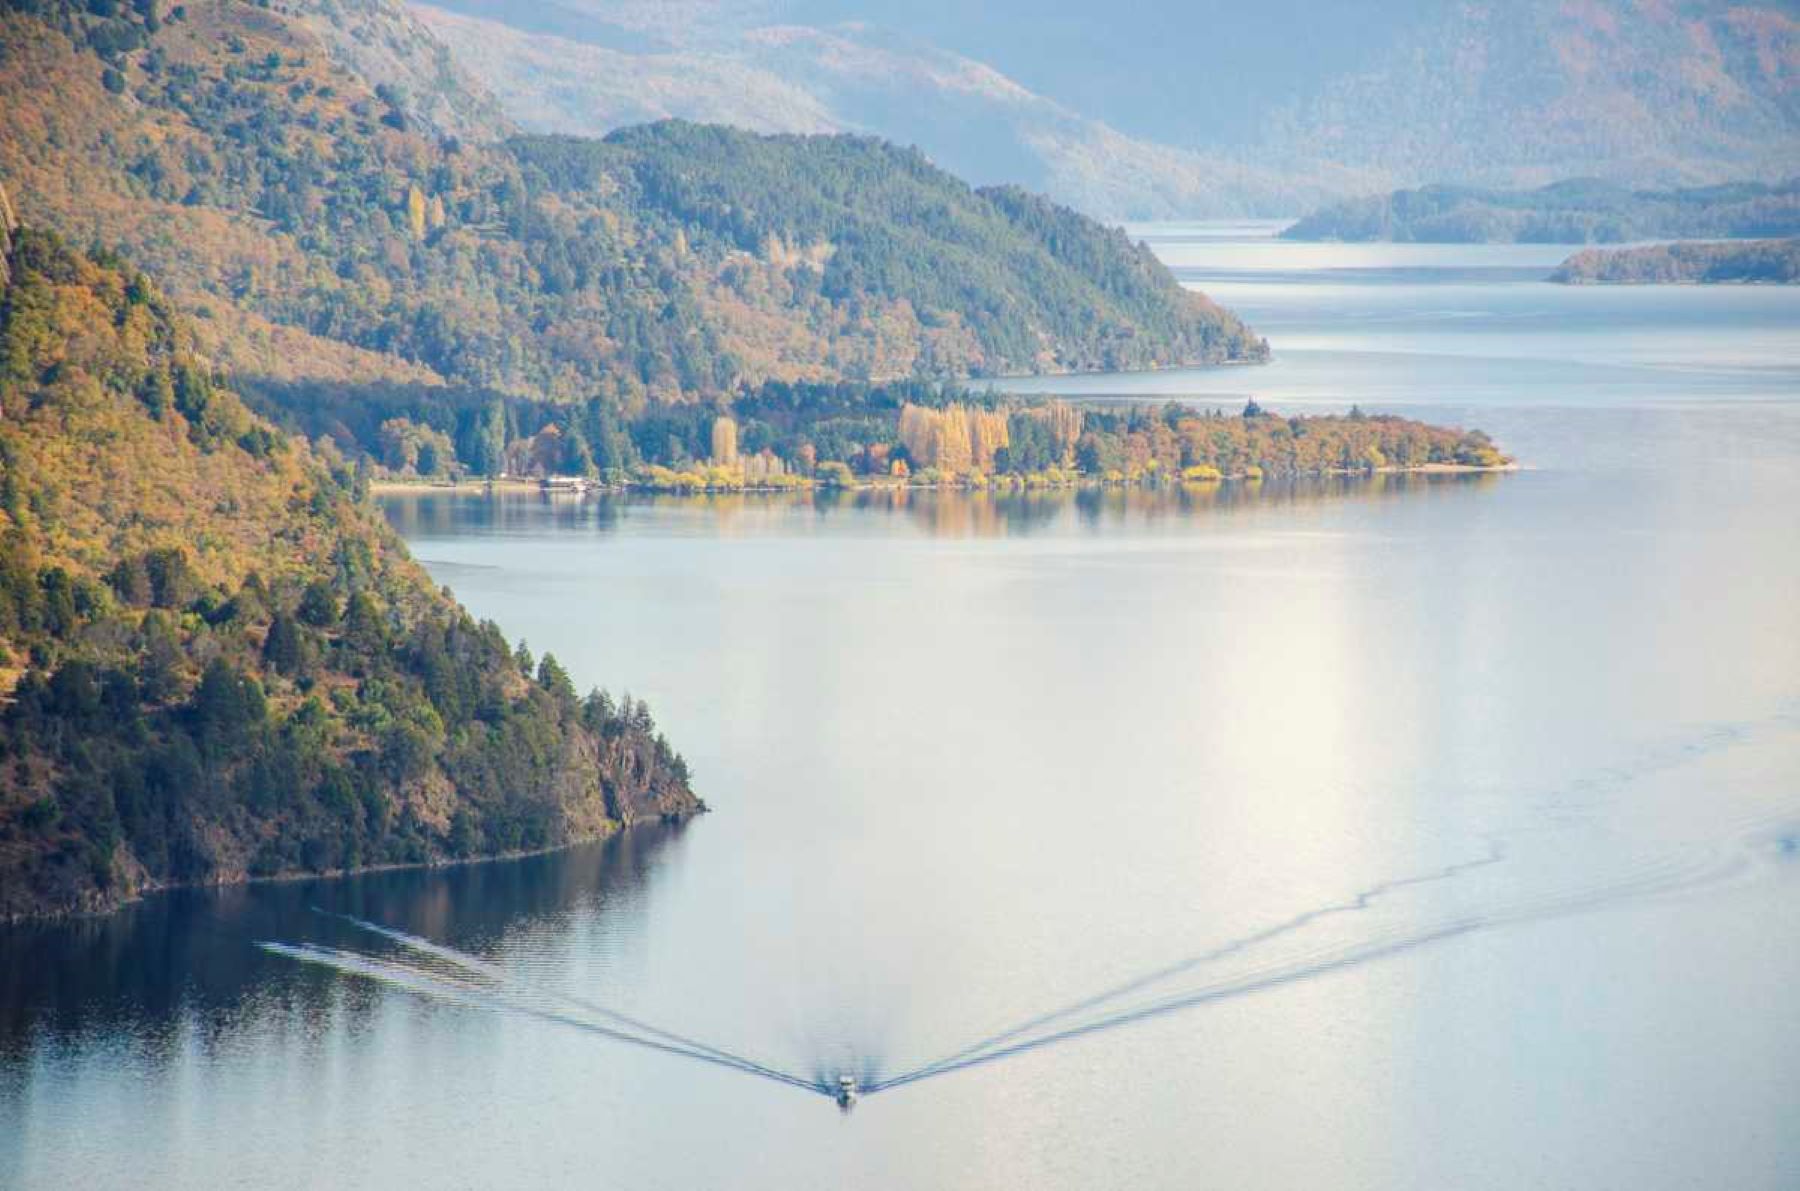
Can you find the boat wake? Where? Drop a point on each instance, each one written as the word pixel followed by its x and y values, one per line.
pixel 442 972
pixel 1240 967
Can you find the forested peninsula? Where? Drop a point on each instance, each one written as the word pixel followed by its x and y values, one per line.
pixel 853 434
pixel 1765 262
pixel 216 662
pixel 1581 211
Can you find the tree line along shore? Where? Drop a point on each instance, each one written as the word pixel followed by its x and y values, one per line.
pixel 857 435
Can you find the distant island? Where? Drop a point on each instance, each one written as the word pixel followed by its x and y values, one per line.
pixel 217 663
pixel 1580 211
pixel 1770 262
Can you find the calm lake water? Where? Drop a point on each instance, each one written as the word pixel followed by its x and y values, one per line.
pixel 1462 817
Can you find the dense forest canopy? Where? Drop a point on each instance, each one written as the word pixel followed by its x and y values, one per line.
pixel 1580 211
pixel 328 232
pixel 217 662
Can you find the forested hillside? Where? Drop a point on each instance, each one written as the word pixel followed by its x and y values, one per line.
pixel 1575 212
pixel 216 661
pixel 326 228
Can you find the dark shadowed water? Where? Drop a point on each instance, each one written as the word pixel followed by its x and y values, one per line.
pixel 1430 833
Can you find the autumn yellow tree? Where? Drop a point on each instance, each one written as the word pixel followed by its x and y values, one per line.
pixel 950 435
pixel 724 442
pixel 416 211
pixel 956 439
pixel 987 434
pixel 915 432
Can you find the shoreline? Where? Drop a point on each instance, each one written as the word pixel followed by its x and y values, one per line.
pixel 60 917
pixel 1696 282
pixel 1152 370
pixel 1004 482
pixel 418 484
pixel 974 383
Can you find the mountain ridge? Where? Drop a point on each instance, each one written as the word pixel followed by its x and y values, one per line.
pixel 1373 96
pixel 972 119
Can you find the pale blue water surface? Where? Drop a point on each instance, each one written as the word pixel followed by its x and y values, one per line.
pixel 1472 808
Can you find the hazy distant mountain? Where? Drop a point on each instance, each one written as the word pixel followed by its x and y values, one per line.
pixel 1643 92
pixel 970 118
pixel 1580 211
pixel 1143 109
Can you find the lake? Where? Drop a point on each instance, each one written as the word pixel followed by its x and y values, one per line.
pixel 1431 832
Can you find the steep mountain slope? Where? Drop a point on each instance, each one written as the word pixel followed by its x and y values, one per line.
pixel 215 662
pixel 303 206
pixel 384 42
